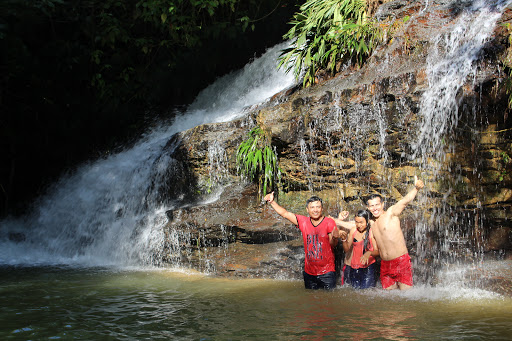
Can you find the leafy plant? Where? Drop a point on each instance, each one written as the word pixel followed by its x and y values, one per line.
pixel 505 160
pixel 505 157
pixel 257 161
pixel 326 31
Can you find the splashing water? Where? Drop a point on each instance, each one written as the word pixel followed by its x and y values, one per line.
pixel 453 60
pixel 107 212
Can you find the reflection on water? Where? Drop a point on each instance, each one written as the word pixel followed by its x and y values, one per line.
pixel 87 304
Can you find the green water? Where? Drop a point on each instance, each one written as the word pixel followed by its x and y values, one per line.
pixel 101 304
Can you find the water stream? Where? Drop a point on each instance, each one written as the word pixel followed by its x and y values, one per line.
pixel 452 62
pixel 108 212
pixel 454 54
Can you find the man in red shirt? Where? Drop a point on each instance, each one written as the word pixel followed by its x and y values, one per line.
pixel 319 235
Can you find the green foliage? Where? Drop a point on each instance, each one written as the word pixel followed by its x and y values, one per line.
pixel 82 77
pixel 326 31
pixel 185 22
pixel 257 161
pixel 124 41
pixel 505 160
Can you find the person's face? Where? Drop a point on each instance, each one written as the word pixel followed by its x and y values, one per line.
pixel 315 209
pixel 376 207
pixel 360 224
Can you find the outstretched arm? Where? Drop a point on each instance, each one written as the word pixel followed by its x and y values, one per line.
pixel 398 208
pixel 347 242
pixel 344 225
pixel 280 210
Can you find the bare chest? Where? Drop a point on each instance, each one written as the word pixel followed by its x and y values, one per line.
pixel 386 228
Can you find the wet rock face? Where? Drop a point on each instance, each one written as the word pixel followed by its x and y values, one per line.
pixel 496 276
pixel 235 235
pixel 352 135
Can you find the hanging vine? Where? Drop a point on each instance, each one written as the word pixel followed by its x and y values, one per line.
pixel 256 161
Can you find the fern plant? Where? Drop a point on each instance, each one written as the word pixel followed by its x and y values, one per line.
pixel 257 161
pixel 326 31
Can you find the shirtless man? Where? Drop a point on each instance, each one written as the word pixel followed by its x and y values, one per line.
pixel 395 268
pixel 320 235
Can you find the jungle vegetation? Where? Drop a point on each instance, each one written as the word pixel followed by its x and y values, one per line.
pixel 82 77
pixel 325 33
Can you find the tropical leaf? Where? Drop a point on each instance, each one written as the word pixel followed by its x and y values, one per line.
pixel 328 30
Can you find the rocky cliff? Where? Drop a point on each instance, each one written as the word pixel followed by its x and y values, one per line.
pixel 363 131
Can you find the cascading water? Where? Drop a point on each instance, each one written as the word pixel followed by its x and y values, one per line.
pixel 107 212
pixel 110 212
pixel 355 140
pixel 452 62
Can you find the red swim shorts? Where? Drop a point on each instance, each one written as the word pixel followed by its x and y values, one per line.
pixel 396 270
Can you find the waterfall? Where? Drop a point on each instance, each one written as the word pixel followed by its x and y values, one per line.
pixel 109 212
pixel 452 62
pixel 106 212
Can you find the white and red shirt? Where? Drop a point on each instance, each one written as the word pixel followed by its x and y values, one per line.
pixel 318 250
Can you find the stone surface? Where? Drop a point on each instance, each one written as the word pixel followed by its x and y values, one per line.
pixel 344 138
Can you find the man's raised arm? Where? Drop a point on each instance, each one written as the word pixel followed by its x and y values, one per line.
pixel 280 210
pixel 397 208
pixel 345 225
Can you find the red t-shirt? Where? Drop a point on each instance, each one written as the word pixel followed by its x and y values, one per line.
pixel 319 255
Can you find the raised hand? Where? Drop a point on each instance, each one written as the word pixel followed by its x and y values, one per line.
pixel 343 215
pixel 269 197
pixel 418 183
pixel 343 234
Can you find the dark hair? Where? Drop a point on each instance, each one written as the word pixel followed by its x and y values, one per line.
pixel 374 196
pixel 366 215
pixel 313 199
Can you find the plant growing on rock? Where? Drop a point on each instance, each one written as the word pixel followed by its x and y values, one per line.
pixel 256 160
pixel 325 32
pixel 505 160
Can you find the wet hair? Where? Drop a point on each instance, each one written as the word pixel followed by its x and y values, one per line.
pixel 313 199
pixel 366 215
pixel 374 196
